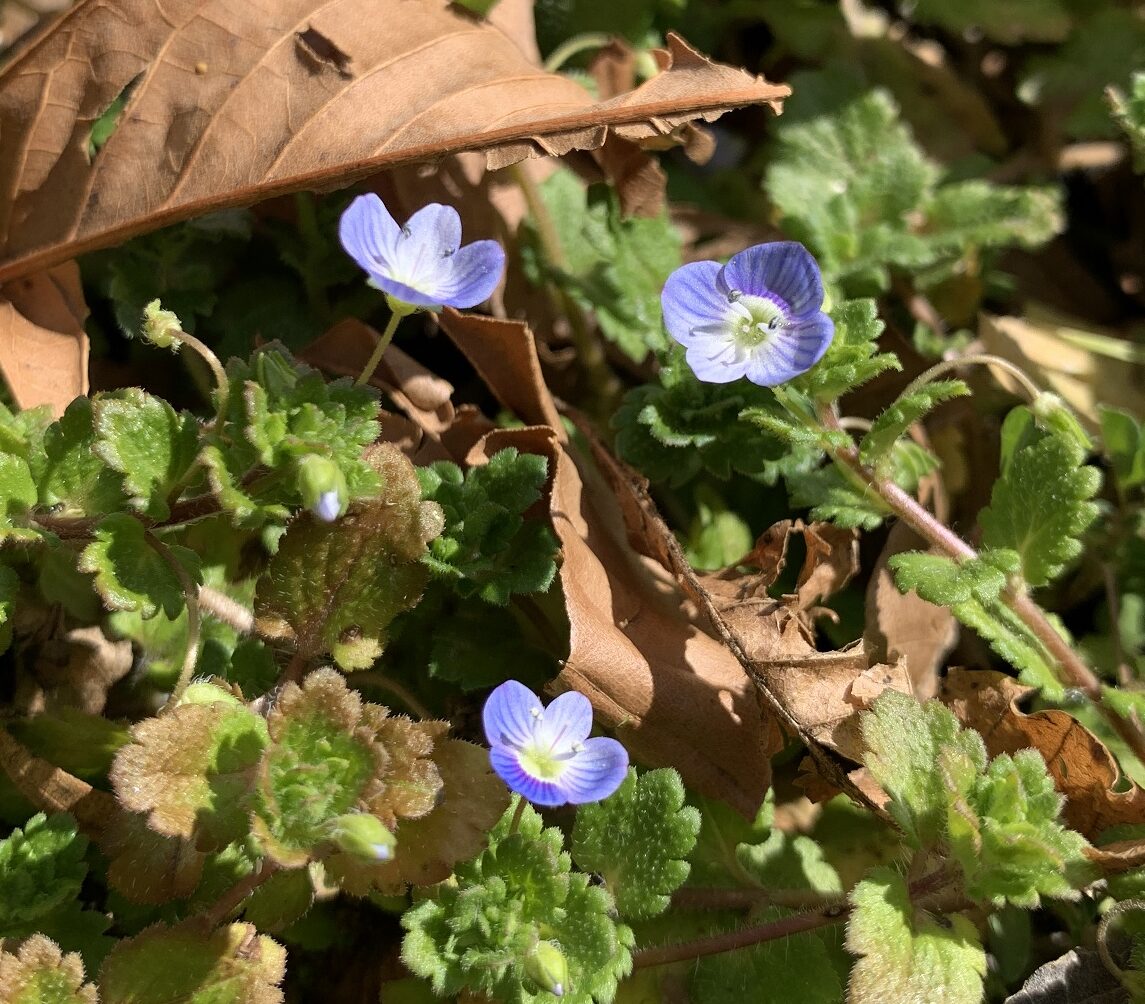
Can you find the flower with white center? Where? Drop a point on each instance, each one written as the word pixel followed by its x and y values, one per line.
pixel 758 316
pixel 545 754
pixel 423 264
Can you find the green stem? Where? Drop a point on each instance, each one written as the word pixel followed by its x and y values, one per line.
pixel 380 348
pixel 603 384
pixel 222 908
pixel 570 47
pixel 979 359
pixel 1014 596
pixel 517 814
pixel 194 619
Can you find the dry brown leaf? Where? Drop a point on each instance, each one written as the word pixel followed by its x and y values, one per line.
pixel 673 693
pixel 43 346
pixel 233 103
pixel 1062 355
pixel 1082 768
pixel 903 626
pixel 75 671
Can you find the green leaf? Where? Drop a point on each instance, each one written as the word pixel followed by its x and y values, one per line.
pixel 39 973
pixel 939 579
pixel 831 497
pixel 487 547
pixel 853 357
pixel 1041 505
pixel 1123 440
pixel 853 185
pixel 904 954
pixel 9 591
pixel 904 740
pixel 17 496
pixel 193 769
pixel 614 266
pixel 1129 113
pixel 149 443
pixel 1006 21
pixel 132 575
pixel 784 860
pixel 795 968
pixel 718 537
pixel 477 931
pixel 75 478
pixel 41 870
pixel 638 840
pixel 1003 830
pixel 335 587
pixel 903 413
pixel 229 965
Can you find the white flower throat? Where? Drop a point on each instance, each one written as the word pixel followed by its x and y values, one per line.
pixel 753 319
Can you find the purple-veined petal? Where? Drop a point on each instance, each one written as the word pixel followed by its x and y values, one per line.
pixel 368 232
pixel 793 350
pixel 507 765
pixel 510 715
pixel 783 268
pixel 566 721
pixel 404 292
pixel 690 300
pixel 595 772
pixel 475 272
pixel 716 359
pixel 428 240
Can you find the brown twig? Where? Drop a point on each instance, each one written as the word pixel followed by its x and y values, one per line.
pixel 215 914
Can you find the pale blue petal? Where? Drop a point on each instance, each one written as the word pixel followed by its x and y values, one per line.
pixel 507 765
pixel 690 300
pixel 406 293
pixel 784 269
pixel 474 272
pixel 510 715
pixel 595 772
pixel 328 507
pixel 793 350
pixel 368 232
pixel 566 721
pixel 717 360
pixel 428 240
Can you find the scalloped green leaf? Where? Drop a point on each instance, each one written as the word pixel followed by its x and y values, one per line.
pixel 335 587
pixel 893 423
pixel 904 954
pixel 193 770
pixel 75 479
pixel 1041 505
pixel 130 574
pixel 41 869
pixel 149 443
pixel 229 965
pixel 39 973
pixel 638 840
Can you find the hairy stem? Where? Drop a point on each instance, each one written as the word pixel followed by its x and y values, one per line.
pixel 373 678
pixel 745 898
pixel 603 384
pixel 194 619
pixel 980 359
pixel 1073 669
pixel 380 348
pixel 578 43
pixel 220 606
pixel 222 908
pixel 222 383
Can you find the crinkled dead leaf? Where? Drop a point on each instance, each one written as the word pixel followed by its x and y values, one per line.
pixel 230 965
pixel 192 770
pixel 229 107
pixel 1082 768
pixel 674 694
pixel 905 626
pixel 38 971
pixel 43 346
pixel 335 587
pixel 473 798
pixel 75 671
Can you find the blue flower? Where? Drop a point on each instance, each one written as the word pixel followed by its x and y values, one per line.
pixel 758 316
pixel 423 263
pixel 544 754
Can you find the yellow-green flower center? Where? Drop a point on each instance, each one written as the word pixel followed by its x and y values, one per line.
pixel 756 319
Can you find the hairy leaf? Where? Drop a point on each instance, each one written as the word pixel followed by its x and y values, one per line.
pixel 903 413
pixel 41 868
pixel 75 478
pixel 904 955
pixel 1129 113
pixel 853 357
pixel 39 973
pixel 1041 505
pixel 638 840
pixel 230 965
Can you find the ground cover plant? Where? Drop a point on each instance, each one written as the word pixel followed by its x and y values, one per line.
pixel 628 502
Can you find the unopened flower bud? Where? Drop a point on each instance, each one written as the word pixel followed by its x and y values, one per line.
pixel 1053 413
pixel 547 966
pixel 363 835
pixel 323 487
pixel 161 327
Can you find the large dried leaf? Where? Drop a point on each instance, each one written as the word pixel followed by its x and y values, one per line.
pixel 43 347
pixel 1082 768
pixel 231 103
pixel 674 694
